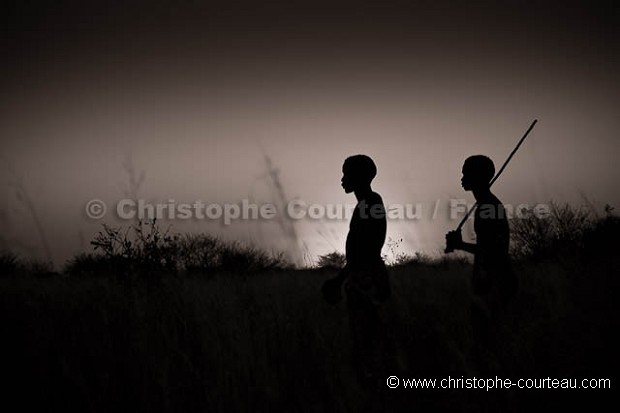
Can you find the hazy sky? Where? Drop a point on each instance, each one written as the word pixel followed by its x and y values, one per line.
pixel 197 93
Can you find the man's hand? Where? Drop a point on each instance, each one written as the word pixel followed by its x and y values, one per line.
pixel 454 241
pixel 332 289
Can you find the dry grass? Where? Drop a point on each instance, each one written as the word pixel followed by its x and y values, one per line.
pixel 248 342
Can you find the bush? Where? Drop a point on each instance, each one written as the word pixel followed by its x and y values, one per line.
pixel 334 259
pixel 603 236
pixel 145 248
pixel 143 245
pixel 96 264
pixel 565 230
pixel 38 268
pixel 203 252
pixel 8 263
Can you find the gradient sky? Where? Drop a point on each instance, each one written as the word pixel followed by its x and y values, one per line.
pixel 196 93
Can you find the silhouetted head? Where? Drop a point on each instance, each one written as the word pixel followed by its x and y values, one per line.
pixel 478 170
pixel 358 171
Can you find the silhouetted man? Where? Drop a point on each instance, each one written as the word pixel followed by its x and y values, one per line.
pixel 364 276
pixel 493 281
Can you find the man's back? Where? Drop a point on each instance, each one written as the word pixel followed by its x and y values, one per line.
pixel 491 258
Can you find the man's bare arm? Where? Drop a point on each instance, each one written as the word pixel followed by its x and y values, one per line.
pixel 455 241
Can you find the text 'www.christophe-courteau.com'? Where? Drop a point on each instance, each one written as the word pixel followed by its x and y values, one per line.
pixel 489 384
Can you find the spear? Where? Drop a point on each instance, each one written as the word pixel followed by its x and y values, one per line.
pixel 527 132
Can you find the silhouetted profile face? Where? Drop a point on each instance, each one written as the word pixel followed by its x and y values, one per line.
pixel 478 170
pixel 358 171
